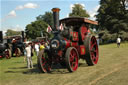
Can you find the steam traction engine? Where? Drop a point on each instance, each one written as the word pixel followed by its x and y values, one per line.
pixel 68 46
pixel 17 45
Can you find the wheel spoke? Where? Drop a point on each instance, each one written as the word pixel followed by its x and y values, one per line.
pixel 93 58
pixel 72 57
pixel 71 60
pixel 92 45
pixel 44 63
pixel 76 65
pixel 73 63
pixel 95 51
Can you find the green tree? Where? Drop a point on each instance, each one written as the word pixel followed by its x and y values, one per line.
pixel 78 11
pixel 34 29
pixel 47 17
pixel 12 32
pixel 113 17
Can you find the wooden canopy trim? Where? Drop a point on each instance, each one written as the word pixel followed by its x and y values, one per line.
pixel 78 19
pixel 91 21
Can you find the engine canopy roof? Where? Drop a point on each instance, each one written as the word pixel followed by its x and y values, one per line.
pixel 77 20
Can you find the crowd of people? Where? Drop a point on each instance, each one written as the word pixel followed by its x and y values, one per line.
pixel 29 50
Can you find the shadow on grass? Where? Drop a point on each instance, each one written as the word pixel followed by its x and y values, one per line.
pixel 56 69
pixel 83 65
pixel 18 68
pixel 34 70
pixel 23 70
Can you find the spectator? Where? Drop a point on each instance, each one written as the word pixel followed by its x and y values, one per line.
pixel 24 55
pixel 42 46
pixel 24 51
pixel 118 42
pixel 47 46
pixel 32 49
pixel 28 55
pixel 37 49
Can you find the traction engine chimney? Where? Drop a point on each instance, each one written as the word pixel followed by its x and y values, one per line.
pixel 56 18
pixel 22 32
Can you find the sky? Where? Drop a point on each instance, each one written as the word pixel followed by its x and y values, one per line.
pixel 16 14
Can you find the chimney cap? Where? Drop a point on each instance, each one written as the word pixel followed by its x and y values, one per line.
pixel 55 9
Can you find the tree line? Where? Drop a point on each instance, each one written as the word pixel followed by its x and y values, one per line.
pixel 42 22
pixel 113 20
pixel 112 17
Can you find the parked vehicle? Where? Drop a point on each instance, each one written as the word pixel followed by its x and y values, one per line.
pixel 5 51
pixel 17 45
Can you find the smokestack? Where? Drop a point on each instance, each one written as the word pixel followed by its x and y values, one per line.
pixel 1 37
pixel 56 18
pixel 22 32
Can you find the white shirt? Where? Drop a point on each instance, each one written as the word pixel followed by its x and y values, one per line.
pixel 36 47
pixel 118 40
pixel 28 51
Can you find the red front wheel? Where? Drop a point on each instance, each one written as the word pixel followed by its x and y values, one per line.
pixel 44 62
pixel 72 58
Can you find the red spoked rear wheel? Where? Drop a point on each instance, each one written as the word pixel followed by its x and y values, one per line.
pixel 44 62
pixel 72 58
pixel 92 51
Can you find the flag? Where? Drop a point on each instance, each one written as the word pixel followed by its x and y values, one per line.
pixel 61 27
pixel 49 29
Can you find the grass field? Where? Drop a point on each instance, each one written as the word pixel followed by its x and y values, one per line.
pixel 112 69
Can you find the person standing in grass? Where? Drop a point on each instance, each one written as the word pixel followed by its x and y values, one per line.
pixel 28 55
pixel 118 42
pixel 24 52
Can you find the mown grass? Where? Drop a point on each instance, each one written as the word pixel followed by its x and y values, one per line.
pixel 112 69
